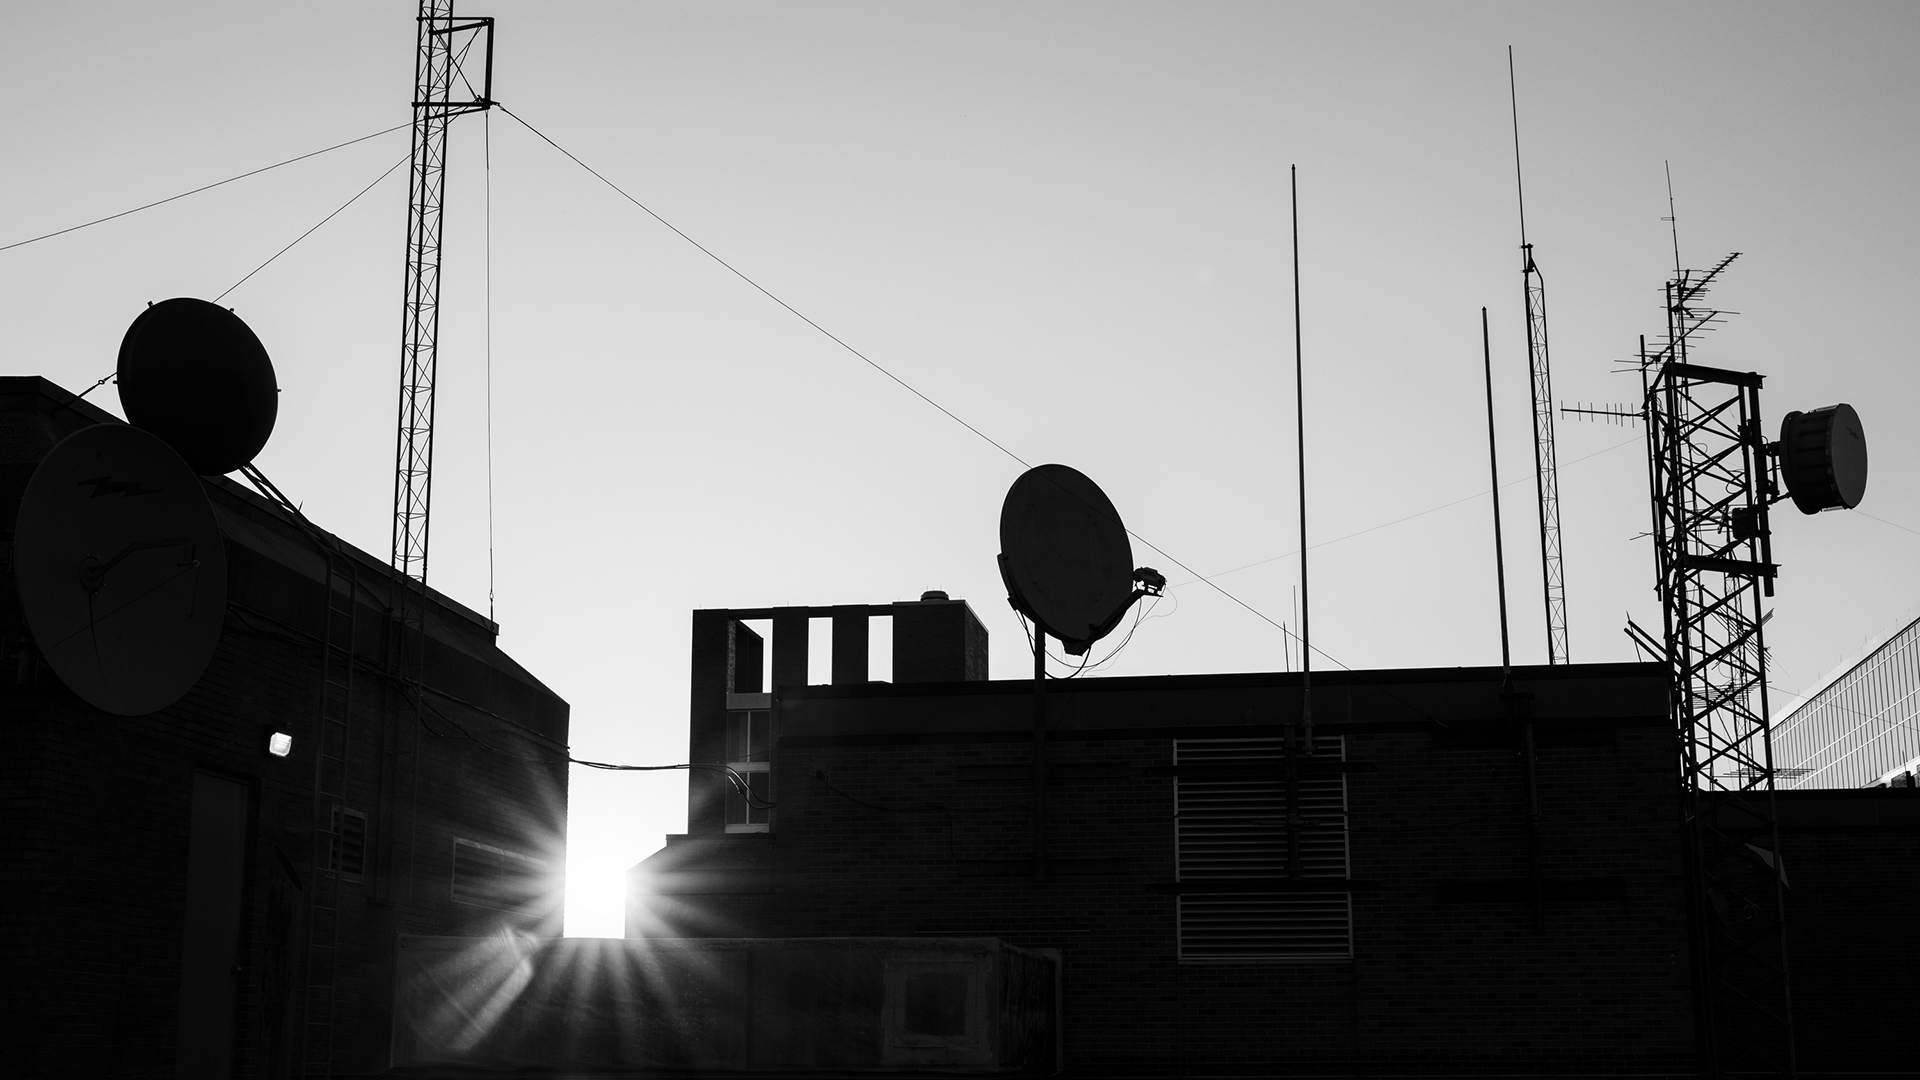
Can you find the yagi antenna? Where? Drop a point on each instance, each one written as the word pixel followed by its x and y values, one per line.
pixel 1613 414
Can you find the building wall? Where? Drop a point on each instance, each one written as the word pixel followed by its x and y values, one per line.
pixel 95 823
pixel 1852 858
pixel 906 810
pixel 1863 728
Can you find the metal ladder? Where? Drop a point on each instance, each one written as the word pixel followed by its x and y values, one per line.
pixel 319 999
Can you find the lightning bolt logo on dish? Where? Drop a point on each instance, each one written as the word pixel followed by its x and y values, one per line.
pixel 126 489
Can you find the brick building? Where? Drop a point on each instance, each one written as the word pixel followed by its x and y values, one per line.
pixel 1225 888
pixel 178 900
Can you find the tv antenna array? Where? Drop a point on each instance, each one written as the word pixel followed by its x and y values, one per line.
pixel 1712 481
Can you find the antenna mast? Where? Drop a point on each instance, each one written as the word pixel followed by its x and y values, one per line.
pixel 1711 485
pixel 444 46
pixel 1546 469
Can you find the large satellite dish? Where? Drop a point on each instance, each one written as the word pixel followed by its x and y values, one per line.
pixel 194 374
pixel 1065 557
pixel 1823 457
pixel 121 572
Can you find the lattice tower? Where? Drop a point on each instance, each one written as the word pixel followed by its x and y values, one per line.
pixel 1711 483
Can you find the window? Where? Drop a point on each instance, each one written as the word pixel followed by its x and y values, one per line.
pixel 750 756
pixel 496 878
pixel 1233 830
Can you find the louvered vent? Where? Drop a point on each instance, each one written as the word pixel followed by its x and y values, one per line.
pixel 496 878
pixel 350 843
pixel 1266 926
pixel 1231 830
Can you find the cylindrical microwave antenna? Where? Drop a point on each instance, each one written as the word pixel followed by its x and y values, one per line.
pixel 1823 458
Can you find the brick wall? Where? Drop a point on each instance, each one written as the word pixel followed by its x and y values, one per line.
pixel 908 810
pixel 1852 858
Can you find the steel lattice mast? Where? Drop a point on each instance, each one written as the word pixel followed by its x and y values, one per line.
pixel 443 46
pixel 1546 469
pixel 1711 484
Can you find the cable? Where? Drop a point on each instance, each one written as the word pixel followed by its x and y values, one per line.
pixel 869 361
pixel 198 190
pixel 1884 521
pixel 1140 613
pixel 102 381
pixel 1410 517
pixel 763 290
pixel 313 230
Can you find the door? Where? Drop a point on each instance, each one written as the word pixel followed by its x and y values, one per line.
pixel 210 943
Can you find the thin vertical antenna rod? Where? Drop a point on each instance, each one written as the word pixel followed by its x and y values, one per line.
pixel 1300 433
pixel 1673 220
pixel 1039 752
pixel 1493 468
pixel 486 128
pixel 1546 467
pixel 1515 701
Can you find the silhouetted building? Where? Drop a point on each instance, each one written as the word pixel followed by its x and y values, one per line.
pixel 179 899
pixel 1225 887
pixel 1861 728
pixel 1228 890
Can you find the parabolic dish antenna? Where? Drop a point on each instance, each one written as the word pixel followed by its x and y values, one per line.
pixel 1823 456
pixel 1065 557
pixel 194 374
pixel 121 572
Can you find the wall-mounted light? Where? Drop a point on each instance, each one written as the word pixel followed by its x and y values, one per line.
pixel 279 744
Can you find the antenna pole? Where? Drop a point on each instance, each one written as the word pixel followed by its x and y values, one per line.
pixel 1300 434
pixel 1673 221
pixel 1546 467
pixel 437 67
pixel 1493 468
pixel 1039 753
pixel 1513 97
pixel 441 42
pixel 1516 702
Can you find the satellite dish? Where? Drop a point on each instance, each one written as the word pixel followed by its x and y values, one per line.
pixel 194 374
pixel 120 568
pixel 1065 558
pixel 1823 457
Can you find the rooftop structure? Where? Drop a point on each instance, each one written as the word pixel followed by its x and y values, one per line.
pixel 215 888
pixel 1861 727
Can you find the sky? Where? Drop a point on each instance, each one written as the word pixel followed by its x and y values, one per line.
pixel 1066 223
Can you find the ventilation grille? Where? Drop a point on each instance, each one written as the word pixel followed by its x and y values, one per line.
pixel 1234 826
pixel 1266 926
pixel 349 843
pixel 1231 827
pixel 496 878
